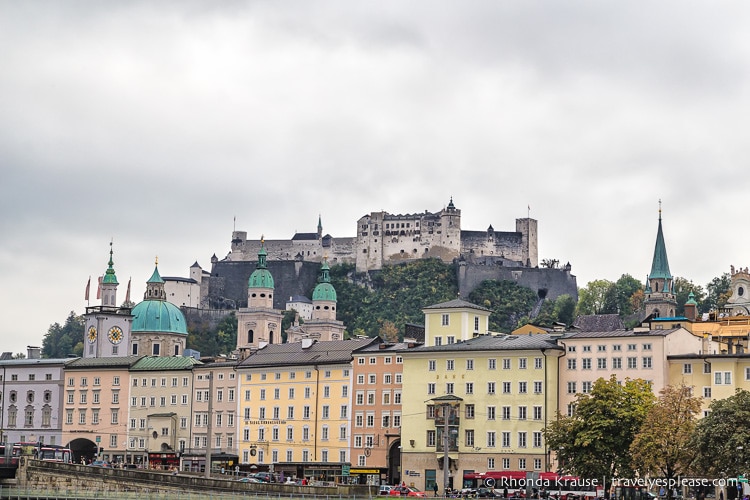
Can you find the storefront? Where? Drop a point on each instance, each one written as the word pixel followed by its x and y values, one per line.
pixel 163 461
pixel 371 476
pixel 313 472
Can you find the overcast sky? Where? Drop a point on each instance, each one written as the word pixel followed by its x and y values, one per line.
pixel 155 124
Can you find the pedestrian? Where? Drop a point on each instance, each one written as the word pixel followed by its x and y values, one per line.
pixel 435 488
pixel 505 492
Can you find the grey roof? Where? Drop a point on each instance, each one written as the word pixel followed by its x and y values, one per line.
pixel 36 361
pixel 177 278
pixel 457 304
pixel 622 333
pixel 305 236
pixel 502 342
pixel 385 347
pixel 599 322
pixel 325 352
pixel 415 332
pixel 116 362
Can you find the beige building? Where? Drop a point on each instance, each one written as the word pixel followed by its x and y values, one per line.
pixel 95 408
pixel 159 413
pixel 711 376
pixel 214 417
pixel 635 354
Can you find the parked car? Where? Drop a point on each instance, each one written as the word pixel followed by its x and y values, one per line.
pixel 385 489
pixel 406 491
pixel 489 493
pixel 250 480
pixel 99 463
pixel 266 477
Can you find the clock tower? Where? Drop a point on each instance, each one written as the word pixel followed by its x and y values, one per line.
pixel 107 325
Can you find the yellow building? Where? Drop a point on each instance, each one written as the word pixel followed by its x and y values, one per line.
pixel 498 392
pixel 454 321
pixel 295 404
pixel 712 376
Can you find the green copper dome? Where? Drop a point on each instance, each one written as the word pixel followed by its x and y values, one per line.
pixel 155 314
pixel 261 277
pixel 324 290
pixel 158 316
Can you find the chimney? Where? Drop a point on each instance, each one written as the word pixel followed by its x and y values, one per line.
pixel 33 352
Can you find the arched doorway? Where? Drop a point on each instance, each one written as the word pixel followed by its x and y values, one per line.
pixel 83 448
pixel 394 463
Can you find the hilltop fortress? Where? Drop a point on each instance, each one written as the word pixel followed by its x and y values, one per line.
pixel 385 239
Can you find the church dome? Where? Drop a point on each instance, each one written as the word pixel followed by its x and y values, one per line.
pixel 155 314
pixel 158 316
pixel 261 277
pixel 324 290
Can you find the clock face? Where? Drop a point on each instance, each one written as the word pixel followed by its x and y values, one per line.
pixel 92 334
pixel 115 334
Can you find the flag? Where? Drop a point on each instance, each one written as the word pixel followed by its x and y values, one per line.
pixel 127 294
pixel 99 290
pixel 88 288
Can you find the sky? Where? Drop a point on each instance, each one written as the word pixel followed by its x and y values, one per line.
pixel 162 126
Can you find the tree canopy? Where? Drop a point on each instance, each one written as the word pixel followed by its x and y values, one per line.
pixel 663 445
pixel 595 440
pixel 63 341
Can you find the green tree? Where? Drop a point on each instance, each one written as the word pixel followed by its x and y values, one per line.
pixel 722 437
pixel 663 446
pixel 595 441
pixel 212 338
pixel 625 288
pixel 593 298
pixel 719 291
pixel 62 341
pixel 565 309
pixel 508 302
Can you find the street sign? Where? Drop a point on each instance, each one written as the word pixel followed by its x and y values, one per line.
pixel 98 439
pixel 345 469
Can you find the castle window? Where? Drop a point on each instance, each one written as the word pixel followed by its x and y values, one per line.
pixel 249 336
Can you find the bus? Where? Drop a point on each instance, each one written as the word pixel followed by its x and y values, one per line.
pixel 46 452
pixel 522 484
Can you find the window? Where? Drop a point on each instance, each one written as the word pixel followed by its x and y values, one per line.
pixel 490 463
pixel 707 392
pixel 451 339
pixel 521 363
pixel 431 438
pixel 449 364
pixel 586 363
pixel 490 413
pixel 469 364
pixel 491 439
pixel 521 413
pixel 632 362
pixel 522 439
pixel 571 348
pixel 587 348
pixel 469 437
pixel 538 387
pixel 616 363
pixel 506 388
pixel 476 323
pixel 506 363
pixel 572 363
pixel 646 347
pixel 571 387
pixel 522 387
pixel 632 347
pixel 469 410
pixel 491 364
pixel 445 319
pixel 601 363
pixel 506 439
pixel 687 368
pixel 449 388
pixel 431 365
pixel 537 413
pixel 431 388
pixel 647 362
pixel 469 387
pixel 522 463
pixel 585 387
pixel 490 388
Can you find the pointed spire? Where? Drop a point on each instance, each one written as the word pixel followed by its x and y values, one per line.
pixel 155 285
pixel 660 263
pixel 109 275
pixel 262 254
pixel 320 227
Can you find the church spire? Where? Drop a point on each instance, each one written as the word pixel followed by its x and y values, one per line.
pixel 109 282
pixel 320 227
pixel 155 285
pixel 660 263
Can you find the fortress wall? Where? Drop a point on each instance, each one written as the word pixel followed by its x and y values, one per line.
pixel 229 281
pixel 556 282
